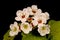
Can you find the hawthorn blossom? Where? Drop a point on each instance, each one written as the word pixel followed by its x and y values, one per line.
pixel 39 20
pixel 43 29
pixel 33 10
pixel 22 15
pixel 14 29
pixel 25 27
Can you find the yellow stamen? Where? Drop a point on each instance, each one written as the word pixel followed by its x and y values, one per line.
pixel 25 26
pixel 15 29
pixel 43 28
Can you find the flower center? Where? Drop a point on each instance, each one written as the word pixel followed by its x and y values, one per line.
pixel 33 11
pixel 39 21
pixel 23 16
pixel 25 26
pixel 43 28
pixel 15 29
pixel 29 18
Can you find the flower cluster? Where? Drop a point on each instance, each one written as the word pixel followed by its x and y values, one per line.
pixel 30 18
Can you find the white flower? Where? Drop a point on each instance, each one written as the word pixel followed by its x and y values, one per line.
pixel 14 29
pixel 43 29
pixel 33 10
pixel 26 28
pixel 39 20
pixel 22 15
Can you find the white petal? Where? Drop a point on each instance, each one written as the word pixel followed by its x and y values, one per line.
pixel 48 31
pixel 39 11
pixel 26 31
pixel 18 12
pixel 34 22
pixel 40 25
pixel 35 17
pixel 27 15
pixel 29 9
pixel 17 18
pixel 47 15
pixel 30 29
pixel 25 10
pixel 44 20
pixel 11 33
pixel 15 23
pixel 23 20
pixel 11 26
pixel 42 15
pixel 42 34
pixel 34 7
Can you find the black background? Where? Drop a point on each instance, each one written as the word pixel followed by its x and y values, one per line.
pixel 8 11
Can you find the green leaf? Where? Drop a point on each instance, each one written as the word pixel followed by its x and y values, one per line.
pixel 51 22
pixel 55 30
pixel 30 36
pixel 7 37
